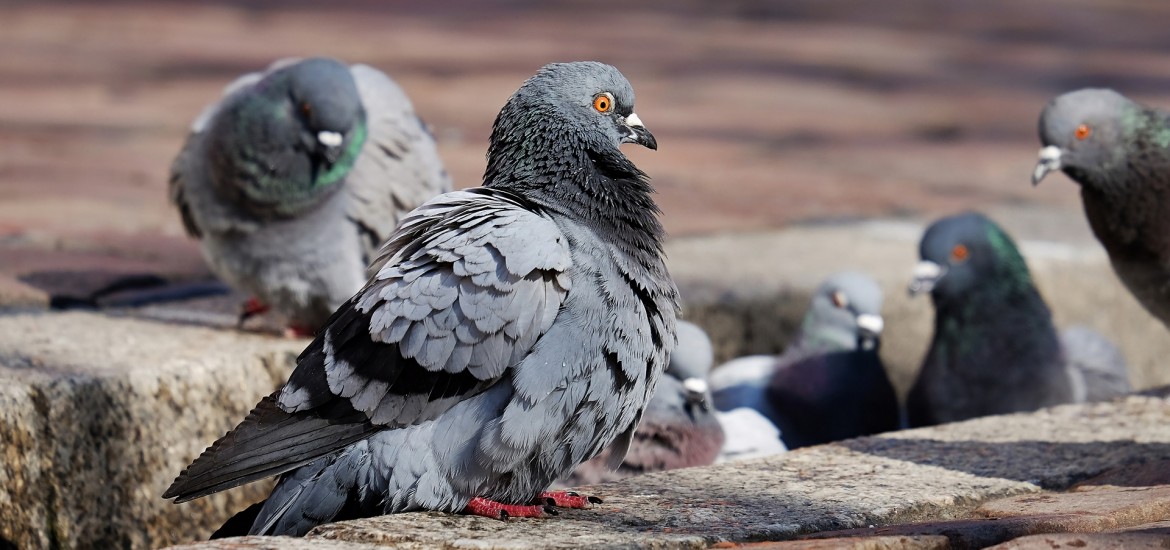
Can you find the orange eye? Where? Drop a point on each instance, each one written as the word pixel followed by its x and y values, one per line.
pixel 959 253
pixel 1083 131
pixel 306 109
pixel 603 103
pixel 840 299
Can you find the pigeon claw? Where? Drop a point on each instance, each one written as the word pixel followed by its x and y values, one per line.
pixel 251 308
pixel 568 499
pixel 480 506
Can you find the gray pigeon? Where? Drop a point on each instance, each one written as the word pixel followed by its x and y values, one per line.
pixel 746 434
pixel 829 384
pixel 694 355
pixel 511 332
pixel 679 428
pixel 1117 150
pixel 293 180
pixel 995 349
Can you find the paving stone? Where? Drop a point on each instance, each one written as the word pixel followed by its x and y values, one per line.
pixel 1155 472
pixel 1086 509
pixel 936 542
pixel 98 414
pixel 277 543
pixel 1156 527
pixel 1087 541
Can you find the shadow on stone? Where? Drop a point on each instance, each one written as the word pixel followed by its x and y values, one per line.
pixel 1048 464
pixel 110 289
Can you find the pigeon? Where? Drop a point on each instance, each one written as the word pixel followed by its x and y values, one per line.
pixel 829 384
pixel 995 349
pixel 746 434
pixel 1117 150
pixel 694 355
pixel 678 429
pixel 510 333
pixel 293 180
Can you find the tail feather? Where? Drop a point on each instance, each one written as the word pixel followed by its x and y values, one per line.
pixel 239 524
pixel 1097 367
pixel 268 442
pixel 323 491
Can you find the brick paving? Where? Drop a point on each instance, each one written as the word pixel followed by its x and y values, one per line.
pixel 767 114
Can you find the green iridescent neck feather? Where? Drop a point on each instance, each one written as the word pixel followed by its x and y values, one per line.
pixel 1014 270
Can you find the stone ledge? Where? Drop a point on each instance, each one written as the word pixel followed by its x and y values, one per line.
pixel 98 414
pixel 1094 541
pixel 870 485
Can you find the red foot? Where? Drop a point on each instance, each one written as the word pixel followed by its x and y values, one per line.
pixel 480 506
pixel 254 307
pixel 568 499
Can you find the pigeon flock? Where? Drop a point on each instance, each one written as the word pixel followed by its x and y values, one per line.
pixel 484 351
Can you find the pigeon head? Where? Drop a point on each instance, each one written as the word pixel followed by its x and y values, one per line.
pixel 693 356
pixel 326 104
pixel 566 113
pixel 281 145
pixel 966 254
pixel 690 363
pixel 1085 133
pixel 845 314
pixel 677 398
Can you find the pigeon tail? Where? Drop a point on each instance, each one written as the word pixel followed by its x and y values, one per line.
pixel 268 442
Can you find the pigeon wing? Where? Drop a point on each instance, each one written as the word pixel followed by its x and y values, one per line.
pixel 399 167
pixel 1096 366
pixel 464 290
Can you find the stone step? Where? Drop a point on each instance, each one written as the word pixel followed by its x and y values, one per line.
pixel 98 414
pixel 975 483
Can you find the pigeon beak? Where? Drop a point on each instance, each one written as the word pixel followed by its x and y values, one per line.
pixel 329 139
pixel 638 133
pixel 869 330
pixel 330 145
pixel 870 323
pixel 926 274
pixel 1049 162
pixel 697 392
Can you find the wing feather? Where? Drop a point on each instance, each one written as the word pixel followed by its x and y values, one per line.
pixel 419 338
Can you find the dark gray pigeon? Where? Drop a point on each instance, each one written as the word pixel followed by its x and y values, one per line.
pixel 678 429
pixel 829 384
pixel 1119 152
pixel 511 332
pixel 995 349
pixel 293 180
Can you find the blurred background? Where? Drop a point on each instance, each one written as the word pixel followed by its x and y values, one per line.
pixel 768 114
